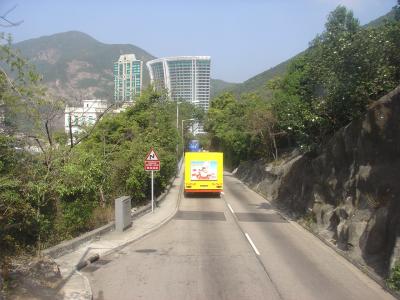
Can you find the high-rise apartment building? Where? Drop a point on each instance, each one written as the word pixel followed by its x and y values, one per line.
pixel 186 78
pixel 127 78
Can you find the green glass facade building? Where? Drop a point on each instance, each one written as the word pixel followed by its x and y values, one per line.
pixel 127 78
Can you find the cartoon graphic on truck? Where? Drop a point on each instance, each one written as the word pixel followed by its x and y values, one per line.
pixel 203 172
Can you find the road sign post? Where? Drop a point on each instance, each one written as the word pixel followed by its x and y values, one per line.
pixel 152 191
pixel 152 163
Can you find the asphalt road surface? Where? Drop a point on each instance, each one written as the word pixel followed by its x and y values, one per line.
pixel 233 247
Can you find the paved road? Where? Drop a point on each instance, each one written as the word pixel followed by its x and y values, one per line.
pixel 208 252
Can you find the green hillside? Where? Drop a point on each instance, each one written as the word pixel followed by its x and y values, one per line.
pixel 388 17
pixel 257 83
pixel 77 66
pixel 219 86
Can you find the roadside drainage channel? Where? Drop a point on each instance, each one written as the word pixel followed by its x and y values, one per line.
pixel 90 260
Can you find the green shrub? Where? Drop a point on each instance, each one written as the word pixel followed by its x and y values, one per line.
pixel 76 217
pixel 393 281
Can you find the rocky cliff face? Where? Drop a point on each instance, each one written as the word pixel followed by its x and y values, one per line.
pixel 348 193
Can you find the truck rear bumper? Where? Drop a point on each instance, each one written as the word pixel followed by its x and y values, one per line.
pixel 202 191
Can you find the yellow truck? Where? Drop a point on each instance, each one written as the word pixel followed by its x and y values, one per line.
pixel 204 172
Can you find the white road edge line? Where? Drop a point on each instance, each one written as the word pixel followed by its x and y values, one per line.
pixel 252 244
pixel 231 209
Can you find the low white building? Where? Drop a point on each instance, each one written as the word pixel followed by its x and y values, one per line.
pixel 197 128
pixel 86 115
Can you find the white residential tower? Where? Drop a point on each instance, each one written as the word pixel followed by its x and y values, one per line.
pixel 186 78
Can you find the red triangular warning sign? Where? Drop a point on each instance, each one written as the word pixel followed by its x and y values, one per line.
pixel 152 156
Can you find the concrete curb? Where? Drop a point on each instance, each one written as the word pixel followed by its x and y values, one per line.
pixel 97 256
pixel 343 254
pixel 88 288
pixel 165 221
pixel 71 245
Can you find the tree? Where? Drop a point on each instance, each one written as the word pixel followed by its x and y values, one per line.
pixel 55 192
pixel 226 122
pixel 243 128
pixel 332 83
pixel 340 22
pixel 6 22
pixel 397 11
pixel 262 127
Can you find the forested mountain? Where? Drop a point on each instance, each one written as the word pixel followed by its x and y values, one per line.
pixel 75 66
pixel 388 17
pixel 218 86
pixel 256 84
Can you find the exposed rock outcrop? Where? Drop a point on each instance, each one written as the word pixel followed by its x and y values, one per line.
pixel 348 193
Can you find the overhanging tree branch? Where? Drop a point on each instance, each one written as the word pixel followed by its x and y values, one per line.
pixel 9 23
pixel 89 132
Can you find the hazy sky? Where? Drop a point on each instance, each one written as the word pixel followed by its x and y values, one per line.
pixel 243 37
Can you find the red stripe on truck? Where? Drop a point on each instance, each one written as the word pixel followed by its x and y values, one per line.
pixel 203 191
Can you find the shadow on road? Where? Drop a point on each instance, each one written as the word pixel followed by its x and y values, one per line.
pixel 202 195
pixel 100 296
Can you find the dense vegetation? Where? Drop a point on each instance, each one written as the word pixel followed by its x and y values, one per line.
pixel 75 59
pixel 243 128
pixel 217 86
pixel 256 84
pixel 345 69
pixel 64 188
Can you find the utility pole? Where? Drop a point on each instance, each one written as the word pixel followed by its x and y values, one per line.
pixel 177 114
pixel 177 130
pixel 152 192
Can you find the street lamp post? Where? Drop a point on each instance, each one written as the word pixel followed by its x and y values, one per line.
pixel 177 143
pixel 177 114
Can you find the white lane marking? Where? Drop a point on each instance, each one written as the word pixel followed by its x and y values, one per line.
pixel 222 193
pixel 230 207
pixel 252 244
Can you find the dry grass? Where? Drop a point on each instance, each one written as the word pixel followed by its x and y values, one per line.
pixel 101 216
